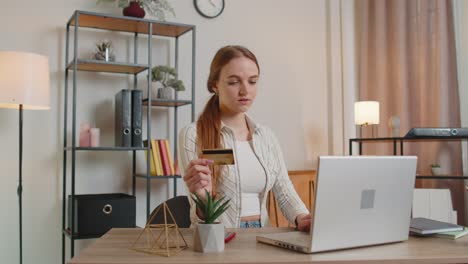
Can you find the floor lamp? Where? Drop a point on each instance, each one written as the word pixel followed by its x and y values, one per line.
pixel 24 84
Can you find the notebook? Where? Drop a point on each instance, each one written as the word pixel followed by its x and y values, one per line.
pixel 426 226
pixel 453 235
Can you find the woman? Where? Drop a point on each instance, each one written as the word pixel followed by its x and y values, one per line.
pixel 259 165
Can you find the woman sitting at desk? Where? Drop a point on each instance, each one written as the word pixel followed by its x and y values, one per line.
pixel 259 165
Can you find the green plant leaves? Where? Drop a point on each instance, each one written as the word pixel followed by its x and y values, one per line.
pixel 199 202
pixel 167 76
pixel 123 3
pixel 104 1
pixel 103 45
pixel 178 85
pixel 156 75
pixel 211 207
pixel 221 209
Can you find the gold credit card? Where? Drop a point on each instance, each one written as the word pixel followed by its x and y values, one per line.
pixel 219 156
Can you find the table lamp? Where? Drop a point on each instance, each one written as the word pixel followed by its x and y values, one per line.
pixel 366 113
pixel 24 84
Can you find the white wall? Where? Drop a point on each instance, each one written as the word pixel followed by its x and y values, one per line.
pixel 289 38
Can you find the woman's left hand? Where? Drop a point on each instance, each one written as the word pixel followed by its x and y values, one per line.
pixel 303 222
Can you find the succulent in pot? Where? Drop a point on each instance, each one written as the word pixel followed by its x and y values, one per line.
pixel 436 169
pixel 104 51
pixel 167 77
pixel 209 234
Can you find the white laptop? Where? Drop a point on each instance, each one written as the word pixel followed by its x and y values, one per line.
pixel 360 201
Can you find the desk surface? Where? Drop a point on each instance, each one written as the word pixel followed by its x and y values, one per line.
pixel 114 248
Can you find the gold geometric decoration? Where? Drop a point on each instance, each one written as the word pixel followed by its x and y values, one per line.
pixel 161 239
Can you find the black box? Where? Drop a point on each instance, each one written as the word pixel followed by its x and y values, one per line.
pixel 95 214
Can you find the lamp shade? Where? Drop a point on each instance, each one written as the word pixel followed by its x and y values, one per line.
pixel 24 79
pixel 366 113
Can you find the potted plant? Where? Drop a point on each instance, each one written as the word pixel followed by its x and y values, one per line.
pixel 137 8
pixel 167 76
pixel 104 51
pixel 209 235
pixel 436 170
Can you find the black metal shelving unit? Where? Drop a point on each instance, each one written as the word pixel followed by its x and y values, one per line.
pixel 136 26
pixel 399 141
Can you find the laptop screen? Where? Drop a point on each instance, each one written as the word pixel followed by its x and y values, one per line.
pixel 362 200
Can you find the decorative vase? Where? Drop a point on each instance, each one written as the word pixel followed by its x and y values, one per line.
pixel 208 238
pixel 85 137
pixel 134 10
pixel 165 93
pixel 394 126
pixel 106 55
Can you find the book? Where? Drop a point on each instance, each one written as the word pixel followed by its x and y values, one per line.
pixel 137 97
pixel 123 116
pixel 453 234
pixel 164 159
pixel 426 226
pixel 156 157
pixel 169 155
pixel 152 165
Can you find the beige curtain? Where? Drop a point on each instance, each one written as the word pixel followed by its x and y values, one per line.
pixel 406 57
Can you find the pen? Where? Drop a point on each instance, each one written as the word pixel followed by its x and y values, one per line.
pixel 229 236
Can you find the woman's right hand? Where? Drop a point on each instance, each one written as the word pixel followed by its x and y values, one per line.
pixel 197 177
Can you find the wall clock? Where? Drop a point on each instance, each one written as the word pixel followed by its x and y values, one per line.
pixel 209 8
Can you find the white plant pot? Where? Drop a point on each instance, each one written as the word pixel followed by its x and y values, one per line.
pixel 165 93
pixel 436 171
pixel 208 238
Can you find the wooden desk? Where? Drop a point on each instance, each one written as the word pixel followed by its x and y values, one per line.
pixel 113 248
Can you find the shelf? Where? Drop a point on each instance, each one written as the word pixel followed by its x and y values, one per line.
pixel 408 138
pixel 166 103
pixel 143 176
pixel 441 177
pixel 104 66
pixel 128 24
pixel 141 31
pixel 106 148
pixel 67 232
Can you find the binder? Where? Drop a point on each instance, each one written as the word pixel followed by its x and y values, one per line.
pixel 123 125
pixel 137 98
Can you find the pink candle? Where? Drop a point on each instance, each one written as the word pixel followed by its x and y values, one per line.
pixel 84 135
pixel 94 134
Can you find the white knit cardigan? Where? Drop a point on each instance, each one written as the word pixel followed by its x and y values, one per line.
pixel 268 151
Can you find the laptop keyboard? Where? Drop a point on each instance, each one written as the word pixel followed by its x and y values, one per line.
pixel 298 238
pixel 301 238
